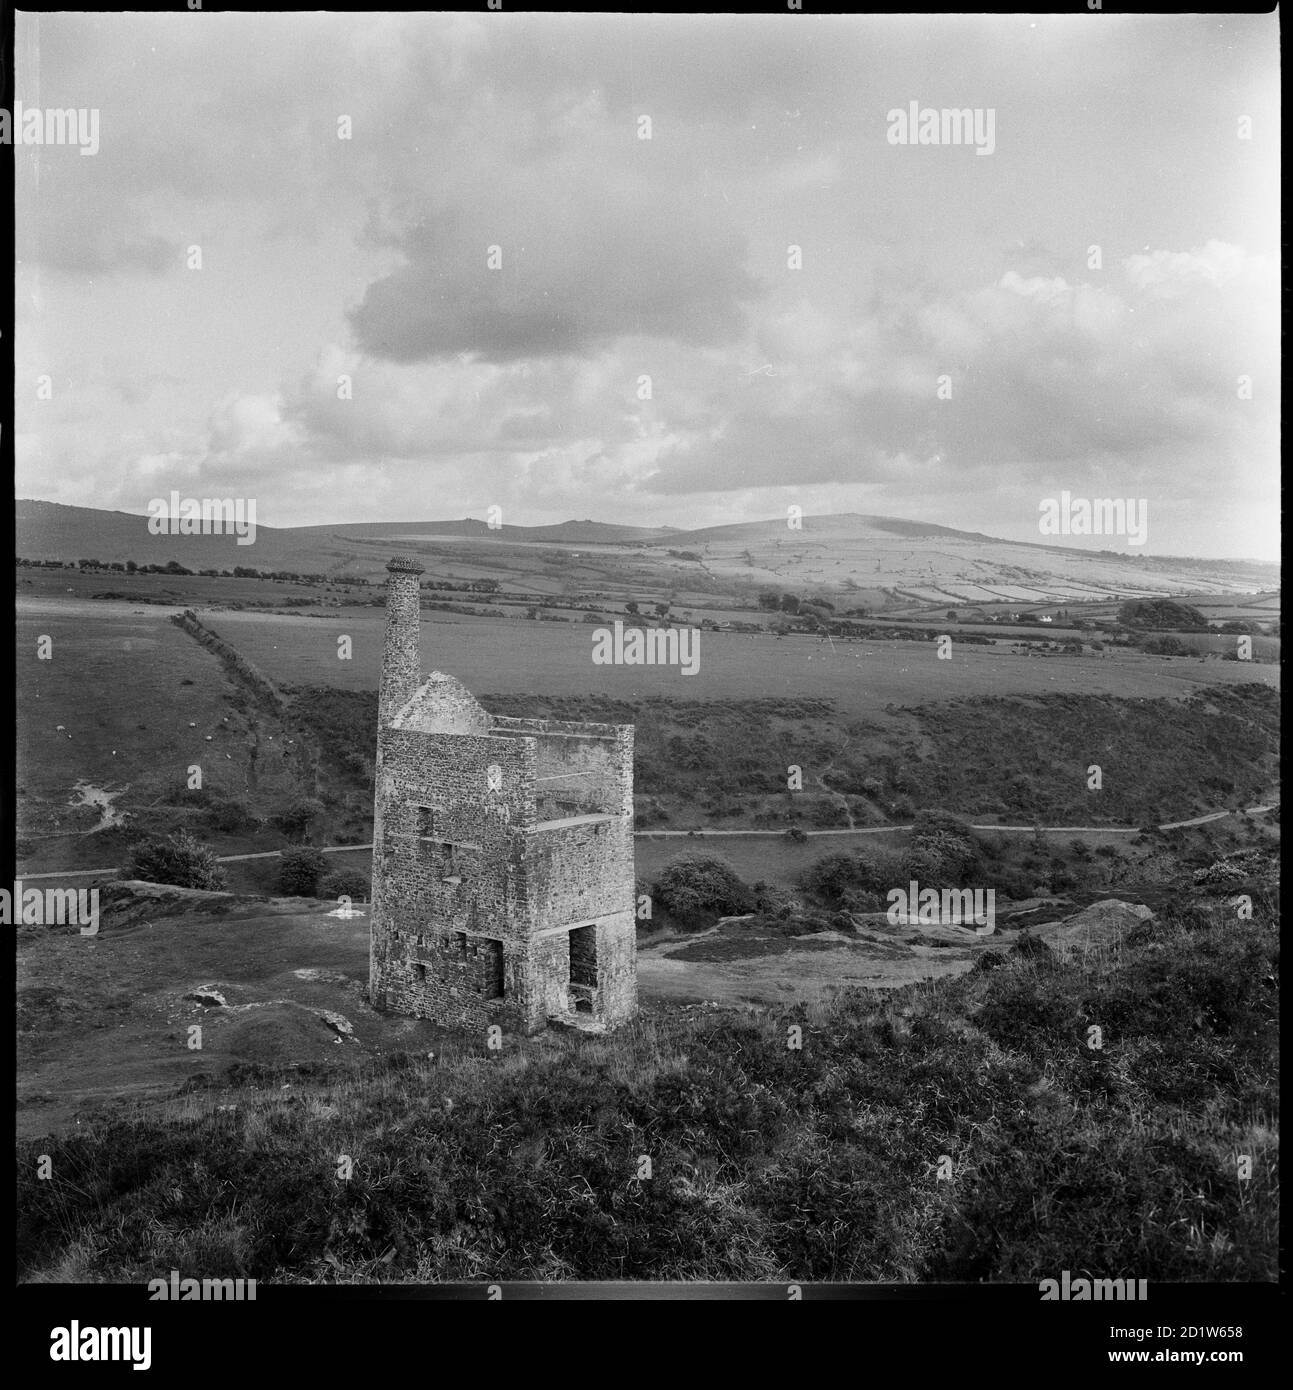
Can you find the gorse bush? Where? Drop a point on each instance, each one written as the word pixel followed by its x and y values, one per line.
pixel 698 889
pixel 345 883
pixel 857 881
pixel 300 870
pixel 942 853
pixel 177 859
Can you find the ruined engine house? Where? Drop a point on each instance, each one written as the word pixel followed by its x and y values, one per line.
pixel 503 876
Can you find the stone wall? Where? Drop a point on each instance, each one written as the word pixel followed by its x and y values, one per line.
pixel 577 774
pixel 451 861
pixel 577 873
pixel 246 675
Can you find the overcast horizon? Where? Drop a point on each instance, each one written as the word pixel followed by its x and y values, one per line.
pixel 949 351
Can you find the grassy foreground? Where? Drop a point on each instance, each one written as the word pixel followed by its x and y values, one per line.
pixel 766 1161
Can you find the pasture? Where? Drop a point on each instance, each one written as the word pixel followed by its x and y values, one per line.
pixel 118 673
pixel 499 656
pixel 125 691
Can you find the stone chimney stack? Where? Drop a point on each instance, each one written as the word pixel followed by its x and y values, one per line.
pixel 401 660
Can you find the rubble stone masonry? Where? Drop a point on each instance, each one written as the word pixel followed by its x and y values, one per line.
pixel 503 874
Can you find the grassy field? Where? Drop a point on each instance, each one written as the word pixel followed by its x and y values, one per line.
pixel 124 690
pixel 142 705
pixel 556 659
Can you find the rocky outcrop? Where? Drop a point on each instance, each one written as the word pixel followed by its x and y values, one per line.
pixel 209 995
pixel 1101 924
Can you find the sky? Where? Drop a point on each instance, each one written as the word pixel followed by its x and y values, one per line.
pixel 1091 307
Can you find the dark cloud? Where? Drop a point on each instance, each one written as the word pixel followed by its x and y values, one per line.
pixel 569 281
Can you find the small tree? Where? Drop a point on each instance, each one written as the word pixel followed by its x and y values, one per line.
pixel 295 820
pixel 300 870
pixel 177 859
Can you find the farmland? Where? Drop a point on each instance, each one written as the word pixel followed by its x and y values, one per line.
pixel 879 728
pixel 862 678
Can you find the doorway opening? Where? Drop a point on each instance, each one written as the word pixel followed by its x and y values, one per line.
pixel 583 969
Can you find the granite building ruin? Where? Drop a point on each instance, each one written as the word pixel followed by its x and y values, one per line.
pixel 503 878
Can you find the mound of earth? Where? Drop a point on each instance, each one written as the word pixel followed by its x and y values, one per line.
pixel 278 1032
pixel 128 902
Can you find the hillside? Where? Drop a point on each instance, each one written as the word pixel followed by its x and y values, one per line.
pixel 51 530
pixel 881 563
pixel 889 563
pixel 965 1129
pixel 585 532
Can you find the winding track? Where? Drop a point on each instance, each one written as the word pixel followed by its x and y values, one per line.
pixel 713 834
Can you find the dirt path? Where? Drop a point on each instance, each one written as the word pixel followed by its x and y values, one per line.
pixel 710 834
pixel 820 779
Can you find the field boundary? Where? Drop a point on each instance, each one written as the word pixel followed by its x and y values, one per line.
pixel 255 680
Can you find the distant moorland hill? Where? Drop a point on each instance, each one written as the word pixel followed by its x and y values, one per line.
pixel 877 562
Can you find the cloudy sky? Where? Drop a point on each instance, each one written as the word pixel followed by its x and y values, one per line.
pixel 624 258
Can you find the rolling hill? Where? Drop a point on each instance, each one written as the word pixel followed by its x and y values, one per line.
pixel 882 563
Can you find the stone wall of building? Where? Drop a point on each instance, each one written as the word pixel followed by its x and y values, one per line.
pixel 481 903
pixel 576 774
pixel 451 863
pixel 617 968
pixel 579 872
